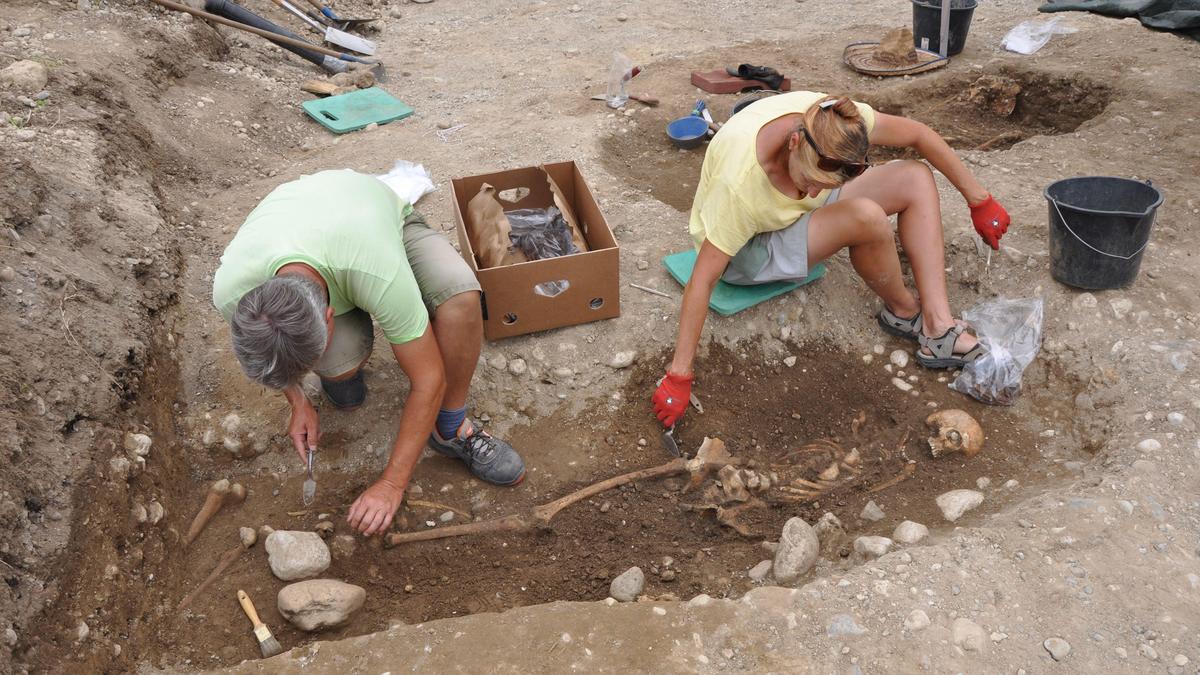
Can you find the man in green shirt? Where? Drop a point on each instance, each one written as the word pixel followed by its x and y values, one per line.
pixel 300 283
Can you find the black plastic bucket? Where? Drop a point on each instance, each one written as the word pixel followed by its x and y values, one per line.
pixel 927 24
pixel 1099 228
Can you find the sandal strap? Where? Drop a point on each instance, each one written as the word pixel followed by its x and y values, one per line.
pixel 942 347
pixel 912 325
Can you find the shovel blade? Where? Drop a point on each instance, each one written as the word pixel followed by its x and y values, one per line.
pixel 347 41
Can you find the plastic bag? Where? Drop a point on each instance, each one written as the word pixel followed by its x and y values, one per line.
pixel 540 234
pixel 1030 36
pixel 1011 332
pixel 620 72
pixel 408 180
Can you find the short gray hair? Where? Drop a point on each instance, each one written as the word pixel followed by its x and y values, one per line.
pixel 279 330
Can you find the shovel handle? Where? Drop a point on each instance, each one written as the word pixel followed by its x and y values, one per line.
pixel 274 37
pixel 292 9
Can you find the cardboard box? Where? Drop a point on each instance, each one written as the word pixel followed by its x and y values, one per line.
pixel 510 304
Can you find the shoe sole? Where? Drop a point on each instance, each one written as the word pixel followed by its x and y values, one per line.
pixel 447 453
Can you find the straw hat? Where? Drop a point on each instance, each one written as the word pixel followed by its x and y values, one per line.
pixel 894 55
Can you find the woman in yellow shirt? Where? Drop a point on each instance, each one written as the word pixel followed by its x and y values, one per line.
pixel 785 185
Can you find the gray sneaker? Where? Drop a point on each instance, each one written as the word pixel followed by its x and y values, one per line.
pixel 490 459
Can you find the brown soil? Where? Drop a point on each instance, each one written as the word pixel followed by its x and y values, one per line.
pixel 762 411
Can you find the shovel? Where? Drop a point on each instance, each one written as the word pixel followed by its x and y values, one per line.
pixel 332 35
pixel 345 24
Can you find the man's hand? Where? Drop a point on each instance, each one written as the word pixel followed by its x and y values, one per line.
pixel 374 509
pixel 991 221
pixel 671 398
pixel 304 428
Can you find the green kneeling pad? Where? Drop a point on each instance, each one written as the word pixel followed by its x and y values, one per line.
pixel 729 299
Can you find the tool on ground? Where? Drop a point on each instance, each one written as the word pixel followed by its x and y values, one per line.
pixel 234 12
pixel 280 37
pixel 344 24
pixel 227 558
pixel 219 494
pixel 356 109
pixel 266 642
pixel 650 101
pixel 332 35
pixel 309 492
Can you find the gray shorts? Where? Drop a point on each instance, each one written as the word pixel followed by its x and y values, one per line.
pixel 781 255
pixel 441 274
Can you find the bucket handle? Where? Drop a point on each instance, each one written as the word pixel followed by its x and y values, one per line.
pixel 1080 239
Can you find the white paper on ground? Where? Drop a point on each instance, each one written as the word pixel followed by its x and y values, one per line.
pixel 1030 36
pixel 410 181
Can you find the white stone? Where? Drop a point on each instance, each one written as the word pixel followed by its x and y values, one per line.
pixel 319 603
pixel 901 384
pixel 82 631
pixel 231 423
pixel 797 552
pixel 138 444
pixel 872 547
pixel 899 357
pixel 155 512
pixel 498 362
pixel 1175 418
pixel 983 482
pixel 1149 445
pixel 248 536
pixel 1058 648
pixel 789 361
pixel 760 571
pixel 623 359
pixel 517 366
pixel 910 532
pixel 296 554
pixel 878 349
pixel 957 502
pixel 1120 307
pixel 118 468
pixel 968 635
pixel 917 620
pixel 628 585
pixel 27 77
pixel 872 512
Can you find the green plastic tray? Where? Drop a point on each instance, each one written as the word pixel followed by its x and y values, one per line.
pixel 357 109
pixel 729 299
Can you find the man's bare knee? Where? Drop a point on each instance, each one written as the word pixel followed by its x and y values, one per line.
pixel 460 309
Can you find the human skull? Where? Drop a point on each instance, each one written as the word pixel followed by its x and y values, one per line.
pixel 955 431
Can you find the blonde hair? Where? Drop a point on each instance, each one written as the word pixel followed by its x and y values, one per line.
pixel 838 128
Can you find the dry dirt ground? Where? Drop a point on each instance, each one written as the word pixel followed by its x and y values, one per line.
pixel 119 190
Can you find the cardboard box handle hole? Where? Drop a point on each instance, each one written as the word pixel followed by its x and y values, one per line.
pixel 509 319
pixel 596 303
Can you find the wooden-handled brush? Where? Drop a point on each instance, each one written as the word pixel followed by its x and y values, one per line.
pixel 266 642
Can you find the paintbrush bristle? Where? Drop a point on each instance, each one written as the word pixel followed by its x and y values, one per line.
pixel 270 647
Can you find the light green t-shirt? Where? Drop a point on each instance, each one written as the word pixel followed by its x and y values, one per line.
pixel 735 199
pixel 347 226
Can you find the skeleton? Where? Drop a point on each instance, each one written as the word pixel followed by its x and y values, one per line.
pixel 834 464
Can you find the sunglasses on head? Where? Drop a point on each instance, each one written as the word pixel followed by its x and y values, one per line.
pixel 825 163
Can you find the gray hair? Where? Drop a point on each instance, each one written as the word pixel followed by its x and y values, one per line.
pixel 279 330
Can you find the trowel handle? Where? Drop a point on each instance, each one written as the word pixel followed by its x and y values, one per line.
pixel 292 9
pixel 323 9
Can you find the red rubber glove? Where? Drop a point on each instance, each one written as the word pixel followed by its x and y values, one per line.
pixel 991 221
pixel 671 398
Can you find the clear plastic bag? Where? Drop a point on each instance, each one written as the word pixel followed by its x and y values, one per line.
pixel 1011 332
pixel 541 234
pixel 618 74
pixel 1029 36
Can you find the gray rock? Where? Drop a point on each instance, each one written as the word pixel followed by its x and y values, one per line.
pixel 343 545
pixel 23 31
pixel 296 555
pixel 1148 651
pixel 871 512
pixel 25 134
pixel 1175 418
pixel 155 512
pixel 138 444
pixel 319 603
pixel 917 620
pixel 957 502
pixel 1149 445
pixel 498 362
pixel 909 532
pixel 1120 307
pixel 26 76
pixel 447 517
pixel 7 274
pixel 82 631
pixel 968 635
pixel 1058 648
pixel 628 585
pixel 830 533
pixel 760 571
pixel 872 547
pixel 517 367
pixel 10 637
pixel 623 359
pixel 118 469
pixel 797 552
pixel 843 624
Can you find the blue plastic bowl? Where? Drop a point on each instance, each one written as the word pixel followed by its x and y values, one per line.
pixel 688 132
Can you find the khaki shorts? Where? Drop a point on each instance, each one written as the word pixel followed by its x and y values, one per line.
pixel 441 274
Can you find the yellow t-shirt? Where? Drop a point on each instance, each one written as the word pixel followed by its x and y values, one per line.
pixel 735 199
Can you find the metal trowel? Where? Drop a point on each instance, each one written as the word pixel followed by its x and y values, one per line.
pixel 668 441
pixel 309 491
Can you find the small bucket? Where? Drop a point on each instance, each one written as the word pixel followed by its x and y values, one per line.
pixel 1099 228
pixel 927 24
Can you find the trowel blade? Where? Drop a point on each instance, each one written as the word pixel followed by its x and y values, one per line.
pixel 668 441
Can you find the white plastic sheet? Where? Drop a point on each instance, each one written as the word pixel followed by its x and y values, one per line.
pixel 1030 36
pixel 409 180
